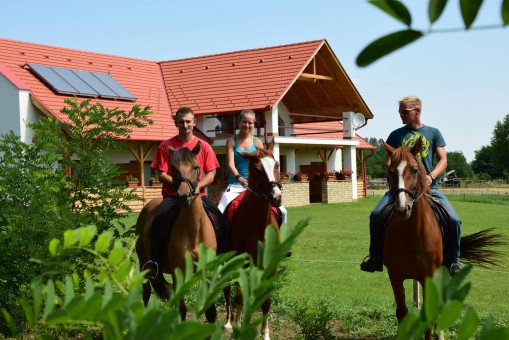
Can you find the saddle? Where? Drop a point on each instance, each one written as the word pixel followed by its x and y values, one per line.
pixel 231 208
pixel 441 214
pixel 167 220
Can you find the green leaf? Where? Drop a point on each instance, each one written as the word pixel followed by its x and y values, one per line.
pixel 431 300
pixel 271 244
pixel 69 290
pixel 450 313
pixel 123 270
pixel 394 8
pixel 10 321
pixel 469 325
pixel 505 12
pixel 54 247
pixel 469 11
pixel 86 235
pixel 56 317
pixel 116 255
pixel 386 45
pixel 435 9
pixel 50 298
pixel 103 242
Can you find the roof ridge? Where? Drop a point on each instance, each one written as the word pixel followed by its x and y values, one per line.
pixel 75 50
pixel 246 50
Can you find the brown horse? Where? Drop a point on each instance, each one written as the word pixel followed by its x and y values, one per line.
pixel 191 227
pixel 252 216
pixel 413 238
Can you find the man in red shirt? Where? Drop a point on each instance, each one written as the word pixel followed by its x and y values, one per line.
pixel 185 122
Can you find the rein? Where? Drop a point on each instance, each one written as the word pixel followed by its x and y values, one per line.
pixel 265 196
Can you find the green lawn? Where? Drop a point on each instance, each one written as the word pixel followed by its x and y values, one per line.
pixel 325 266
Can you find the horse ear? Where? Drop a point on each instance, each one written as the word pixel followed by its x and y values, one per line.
pixel 417 147
pixel 196 150
pixel 388 148
pixel 270 145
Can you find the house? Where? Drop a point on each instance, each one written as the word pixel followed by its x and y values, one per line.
pixel 302 96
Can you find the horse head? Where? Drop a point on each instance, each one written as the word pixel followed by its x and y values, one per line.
pixel 407 177
pixel 185 172
pixel 264 175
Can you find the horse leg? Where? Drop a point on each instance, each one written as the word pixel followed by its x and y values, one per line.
pixel 265 324
pixel 239 306
pixel 147 290
pixel 211 313
pixel 229 313
pixel 183 309
pixel 399 297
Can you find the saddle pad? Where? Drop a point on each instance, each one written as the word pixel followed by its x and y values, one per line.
pixel 232 208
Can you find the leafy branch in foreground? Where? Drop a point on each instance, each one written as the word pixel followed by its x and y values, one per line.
pixel 442 308
pixel 108 301
pixel 396 9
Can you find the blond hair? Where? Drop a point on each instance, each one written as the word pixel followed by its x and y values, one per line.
pixel 415 101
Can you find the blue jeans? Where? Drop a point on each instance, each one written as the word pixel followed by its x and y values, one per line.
pixel 452 240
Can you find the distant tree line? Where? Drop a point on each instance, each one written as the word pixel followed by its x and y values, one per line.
pixel 490 162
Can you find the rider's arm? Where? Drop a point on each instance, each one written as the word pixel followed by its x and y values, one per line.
pixel 441 162
pixel 206 179
pixel 164 177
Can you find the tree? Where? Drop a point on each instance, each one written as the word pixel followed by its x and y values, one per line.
pixel 457 161
pixel 394 41
pixel 375 165
pixel 38 200
pixel 483 165
pixel 500 145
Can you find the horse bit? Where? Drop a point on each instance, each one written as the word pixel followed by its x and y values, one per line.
pixel 267 196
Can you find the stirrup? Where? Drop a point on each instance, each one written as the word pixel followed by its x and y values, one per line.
pixel 147 275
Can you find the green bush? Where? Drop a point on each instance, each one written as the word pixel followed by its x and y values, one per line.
pixel 107 301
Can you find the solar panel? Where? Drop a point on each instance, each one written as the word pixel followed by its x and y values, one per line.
pixel 103 90
pixel 114 85
pixel 82 83
pixel 53 79
pixel 81 86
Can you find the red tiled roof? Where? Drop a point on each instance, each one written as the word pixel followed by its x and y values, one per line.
pixel 329 130
pixel 252 79
pixel 142 78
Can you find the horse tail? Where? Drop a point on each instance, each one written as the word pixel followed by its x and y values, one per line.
pixel 477 248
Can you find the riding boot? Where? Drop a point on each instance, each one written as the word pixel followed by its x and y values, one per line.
pixel 156 259
pixel 375 261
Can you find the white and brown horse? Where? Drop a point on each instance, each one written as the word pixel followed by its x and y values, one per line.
pixel 252 216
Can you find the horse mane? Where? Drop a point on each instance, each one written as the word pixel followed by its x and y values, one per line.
pixel 182 155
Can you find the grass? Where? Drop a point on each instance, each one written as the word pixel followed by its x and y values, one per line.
pixel 324 268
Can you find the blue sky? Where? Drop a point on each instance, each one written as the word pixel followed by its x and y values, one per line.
pixel 461 77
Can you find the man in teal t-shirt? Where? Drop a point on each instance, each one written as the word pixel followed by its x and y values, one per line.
pixel 433 145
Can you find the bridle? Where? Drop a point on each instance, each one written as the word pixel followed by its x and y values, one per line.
pixel 192 185
pixel 267 197
pixel 415 194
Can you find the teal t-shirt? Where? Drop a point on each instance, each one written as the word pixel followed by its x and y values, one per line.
pixel 241 163
pixel 431 139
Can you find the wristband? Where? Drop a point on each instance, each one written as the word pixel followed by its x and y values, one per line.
pixel 237 177
pixel 431 175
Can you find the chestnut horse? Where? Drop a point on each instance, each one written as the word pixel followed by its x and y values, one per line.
pixel 413 247
pixel 252 216
pixel 191 227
